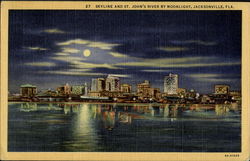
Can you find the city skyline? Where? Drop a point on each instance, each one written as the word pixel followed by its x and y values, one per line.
pixel 101 84
pixel 57 47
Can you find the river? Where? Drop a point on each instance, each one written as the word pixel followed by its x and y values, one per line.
pixel 90 127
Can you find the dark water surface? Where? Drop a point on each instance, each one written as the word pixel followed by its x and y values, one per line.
pixel 121 128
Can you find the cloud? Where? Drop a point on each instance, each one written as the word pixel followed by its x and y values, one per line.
pixel 75 41
pixel 101 45
pixel 121 75
pixel 40 64
pixel 36 48
pixel 210 77
pixel 61 54
pixel 203 75
pixel 155 70
pixel 173 49
pixel 79 70
pixel 72 73
pixel 54 31
pixel 88 43
pixel 78 64
pixel 199 42
pixel 118 55
pixel 220 80
pixel 184 62
pixel 162 62
pixel 70 50
pixel 67 58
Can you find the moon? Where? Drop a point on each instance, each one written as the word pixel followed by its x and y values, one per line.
pixel 86 53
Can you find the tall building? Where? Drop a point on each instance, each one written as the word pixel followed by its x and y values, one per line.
pixel 171 84
pixel 98 84
pixel 79 89
pixel 221 89
pixel 86 89
pixel 112 83
pixel 126 88
pixel 67 88
pixel 28 90
pixel 143 89
pixel 93 85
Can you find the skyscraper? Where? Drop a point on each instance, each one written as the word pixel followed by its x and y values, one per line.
pixel 143 89
pixel 112 83
pixel 171 84
pixel 94 85
pixel 98 85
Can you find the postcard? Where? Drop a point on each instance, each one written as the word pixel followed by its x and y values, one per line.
pixel 125 80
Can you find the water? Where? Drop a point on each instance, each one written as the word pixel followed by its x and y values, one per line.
pixel 85 127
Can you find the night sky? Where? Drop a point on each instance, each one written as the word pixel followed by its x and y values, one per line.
pixel 51 48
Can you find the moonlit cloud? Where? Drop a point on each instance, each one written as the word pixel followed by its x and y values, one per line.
pixel 61 54
pixel 54 31
pixel 219 80
pixel 213 77
pixel 183 62
pixel 118 55
pixel 121 75
pixel 203 75
pixel 67 58
pixel 199 42
pixel 40 64
pixel 173 49
pixel 155 70
pixel 70 73
pixel 89 43
pixel 70 50
pixel 78 64
pixel 101 45
pixel 162 62
pixel 75 41
pixel 36 48
pixel 79 70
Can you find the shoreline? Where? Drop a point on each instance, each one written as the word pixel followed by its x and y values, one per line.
pixel 139 103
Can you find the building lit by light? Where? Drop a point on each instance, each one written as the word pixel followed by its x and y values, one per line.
pixel 126 88
pixel 98 84
pixel 221 89
pixel 112 83
pixel 182 92
pixel 79 89
pixel 171 84
pixel 64 90
pixel 222 93
pixel 143 89
pixel 28 90
pixel 93 87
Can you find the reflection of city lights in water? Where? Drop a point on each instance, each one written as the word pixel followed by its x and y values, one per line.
pixel 221 109
pixel 27 107
pixel 166 111
pixel 83 130
pixel 108 119
pixel 83 120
